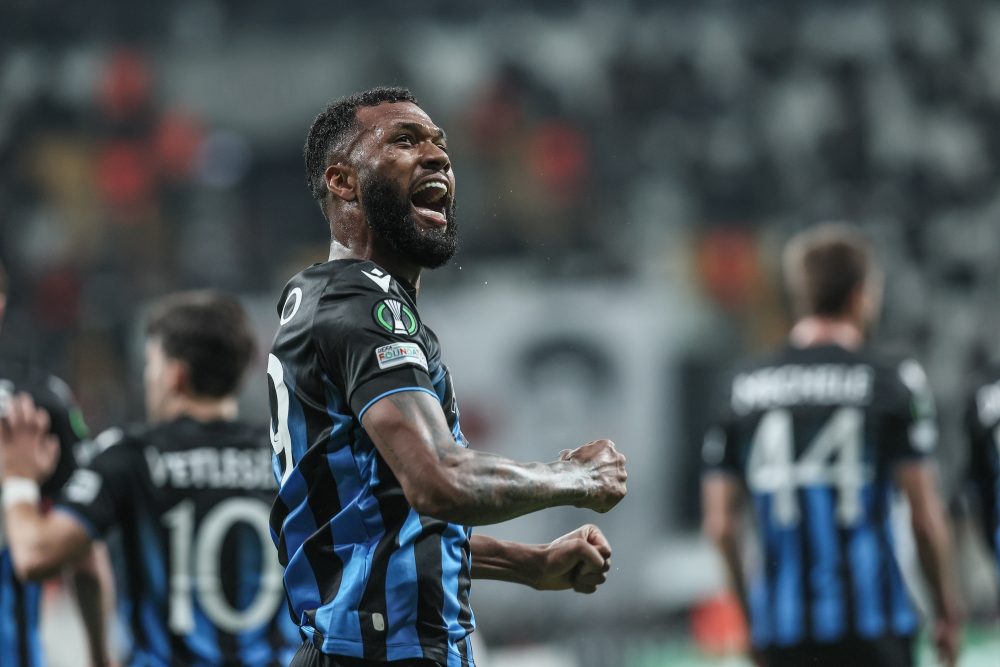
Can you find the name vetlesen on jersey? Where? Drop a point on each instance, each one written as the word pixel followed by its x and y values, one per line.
pixel 821 384
pixel 397 354
pixel 208 467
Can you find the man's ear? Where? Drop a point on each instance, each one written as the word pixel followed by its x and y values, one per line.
pixel 342 181
pixel 178 376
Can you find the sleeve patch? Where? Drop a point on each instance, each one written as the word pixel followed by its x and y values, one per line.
pixel 83 487
pixel 399 354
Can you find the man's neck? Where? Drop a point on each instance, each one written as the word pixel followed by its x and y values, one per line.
pixel 201 409
pixel 401 270
pixel 814 330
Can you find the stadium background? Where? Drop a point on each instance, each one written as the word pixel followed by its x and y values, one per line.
pixel 626 174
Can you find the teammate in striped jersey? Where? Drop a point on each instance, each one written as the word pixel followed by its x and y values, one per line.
pixel 20 600
pixel 378 487
pixel 820 434
pixel 190 494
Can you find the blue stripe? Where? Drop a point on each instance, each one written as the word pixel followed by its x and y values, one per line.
pixel 390 392
pixel 451 566
pixel 204 641
pixel 866 577
pixel 340 619
pixel 152 607
pixel 761 630
pixel 828 608
pixel 904 618
pixel 300 582
pixel 784 551
pixel 401 592
pixel 251 641
pixel 32 604
pixel 359 518
pixel 297 426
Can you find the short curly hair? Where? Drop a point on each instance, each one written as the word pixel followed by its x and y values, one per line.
pixel 332 125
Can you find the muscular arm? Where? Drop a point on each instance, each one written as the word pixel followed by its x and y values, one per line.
pixel 579 560
pixel 918 481
pixel 452 483
pixel 41 544
pixel 720 495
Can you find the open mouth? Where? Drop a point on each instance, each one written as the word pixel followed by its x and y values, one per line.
pixel 430 199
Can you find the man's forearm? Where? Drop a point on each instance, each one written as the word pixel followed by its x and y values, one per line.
pixel 39 549
pixel 934 551
pixel 486 489
pixel 94 595
pixel 505 561
pixel 449 482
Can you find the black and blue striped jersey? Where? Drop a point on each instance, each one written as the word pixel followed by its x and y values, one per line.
pixel 190 501
pixel 20 644
pixel 982 420
pixel 815 433
pixel 366 575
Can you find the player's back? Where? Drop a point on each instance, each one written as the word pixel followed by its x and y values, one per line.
pixel 20 601
pixel 192 499
pixel 982 420
pixel 814 433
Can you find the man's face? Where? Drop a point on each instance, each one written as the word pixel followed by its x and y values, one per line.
pixel 407 187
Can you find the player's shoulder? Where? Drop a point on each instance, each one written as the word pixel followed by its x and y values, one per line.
pixel 113 443
pixel 188 433
pixel 898 367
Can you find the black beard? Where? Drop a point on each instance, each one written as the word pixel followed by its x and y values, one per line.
pixel 390 216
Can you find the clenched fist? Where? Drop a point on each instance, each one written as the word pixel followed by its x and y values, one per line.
pixel 604 467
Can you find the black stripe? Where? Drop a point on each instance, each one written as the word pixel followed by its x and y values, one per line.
pixel 21 619
pixel 847 581
pixel 394 509
pixel 324 503
pixel 464 586
pixel 280 512
pixel 431 627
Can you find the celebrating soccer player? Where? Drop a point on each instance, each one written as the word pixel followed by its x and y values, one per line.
pixel 20 600
pixel 378 487
pixel 819 433
pixel 190 494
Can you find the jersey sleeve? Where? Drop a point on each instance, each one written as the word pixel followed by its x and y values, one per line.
pixel 912 428
pixel 369 345
pixel 98 495
pixel 719 445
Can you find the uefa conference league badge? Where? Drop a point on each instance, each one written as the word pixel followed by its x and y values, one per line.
pixel 395 317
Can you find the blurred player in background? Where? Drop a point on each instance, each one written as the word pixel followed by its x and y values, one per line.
pixel 819 433
pixel 20 601
pixel 191 495
pixel 378 486
pixel 982 420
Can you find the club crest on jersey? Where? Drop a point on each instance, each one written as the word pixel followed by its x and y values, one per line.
pixel 395 317
pixel 397 354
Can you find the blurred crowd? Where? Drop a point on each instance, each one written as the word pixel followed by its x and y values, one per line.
pixel 589 140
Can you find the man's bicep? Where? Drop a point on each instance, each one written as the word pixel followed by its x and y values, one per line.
pixel 410 431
